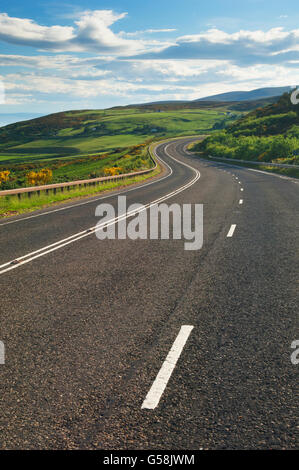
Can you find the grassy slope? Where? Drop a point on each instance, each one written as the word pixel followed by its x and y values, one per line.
pixel 269 134
pixel 98 130
pixel 80 144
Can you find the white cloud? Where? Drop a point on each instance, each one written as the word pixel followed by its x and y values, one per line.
pixel 147 31
pixel 134 67
pixel 91 32
pixel 243 47
pixel 26 31
pixel 136 80
pixel 18 99
pixel 215 36
pixel 59 65
pixel 172 79
pixel 42 84
pixel 178 69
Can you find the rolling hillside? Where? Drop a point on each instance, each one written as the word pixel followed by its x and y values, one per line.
pixel 87 143
pixel 269 134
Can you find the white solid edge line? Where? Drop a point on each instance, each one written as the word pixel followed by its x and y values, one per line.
pixel 241 201
pixel 89 231
pixel 231 230
pixel 156 391
pixel 288 178
pixel 78 233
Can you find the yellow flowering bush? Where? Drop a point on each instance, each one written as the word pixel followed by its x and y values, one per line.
pixel 37 178
pixel 4 176
pixel 115 170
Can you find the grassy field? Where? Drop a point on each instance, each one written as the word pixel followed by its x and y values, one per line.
pixel 101 131
pixel 83 144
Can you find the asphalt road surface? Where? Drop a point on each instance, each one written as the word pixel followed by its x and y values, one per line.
pixel 123 344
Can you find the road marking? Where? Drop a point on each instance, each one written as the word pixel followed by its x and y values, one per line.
pixel 17 262
pixel 242 189
pixel 288 178
pixel 241 201
pixel 231 231
pixel 156 391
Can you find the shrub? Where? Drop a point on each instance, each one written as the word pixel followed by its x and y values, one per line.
pixel 36 178
pixel 115 170
pixel 4 176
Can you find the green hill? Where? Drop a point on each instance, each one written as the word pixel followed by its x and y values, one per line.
pixel 83 132
pixel 84 144
pixel 87 143
pixel 269 134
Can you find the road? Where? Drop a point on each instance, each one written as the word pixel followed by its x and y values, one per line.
pixel 87 326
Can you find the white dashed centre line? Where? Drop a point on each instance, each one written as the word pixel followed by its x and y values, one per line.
pixel 231 231
pixel 242 189
pixel 241 201
pixel 153 397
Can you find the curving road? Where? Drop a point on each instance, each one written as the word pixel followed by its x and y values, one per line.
pixel 92 329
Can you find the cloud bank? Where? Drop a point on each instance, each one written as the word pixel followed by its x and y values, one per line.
pixel 92 32
pixel 88 60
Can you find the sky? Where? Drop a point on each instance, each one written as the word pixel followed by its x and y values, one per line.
pixel 57 56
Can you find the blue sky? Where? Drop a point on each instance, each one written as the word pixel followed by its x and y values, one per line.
pixel 71 55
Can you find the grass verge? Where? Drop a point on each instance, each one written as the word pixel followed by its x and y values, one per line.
pixel 11 205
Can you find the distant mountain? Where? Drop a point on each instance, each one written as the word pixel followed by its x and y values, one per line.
pixel 257 94
pixel 235 100
pixel 160 106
